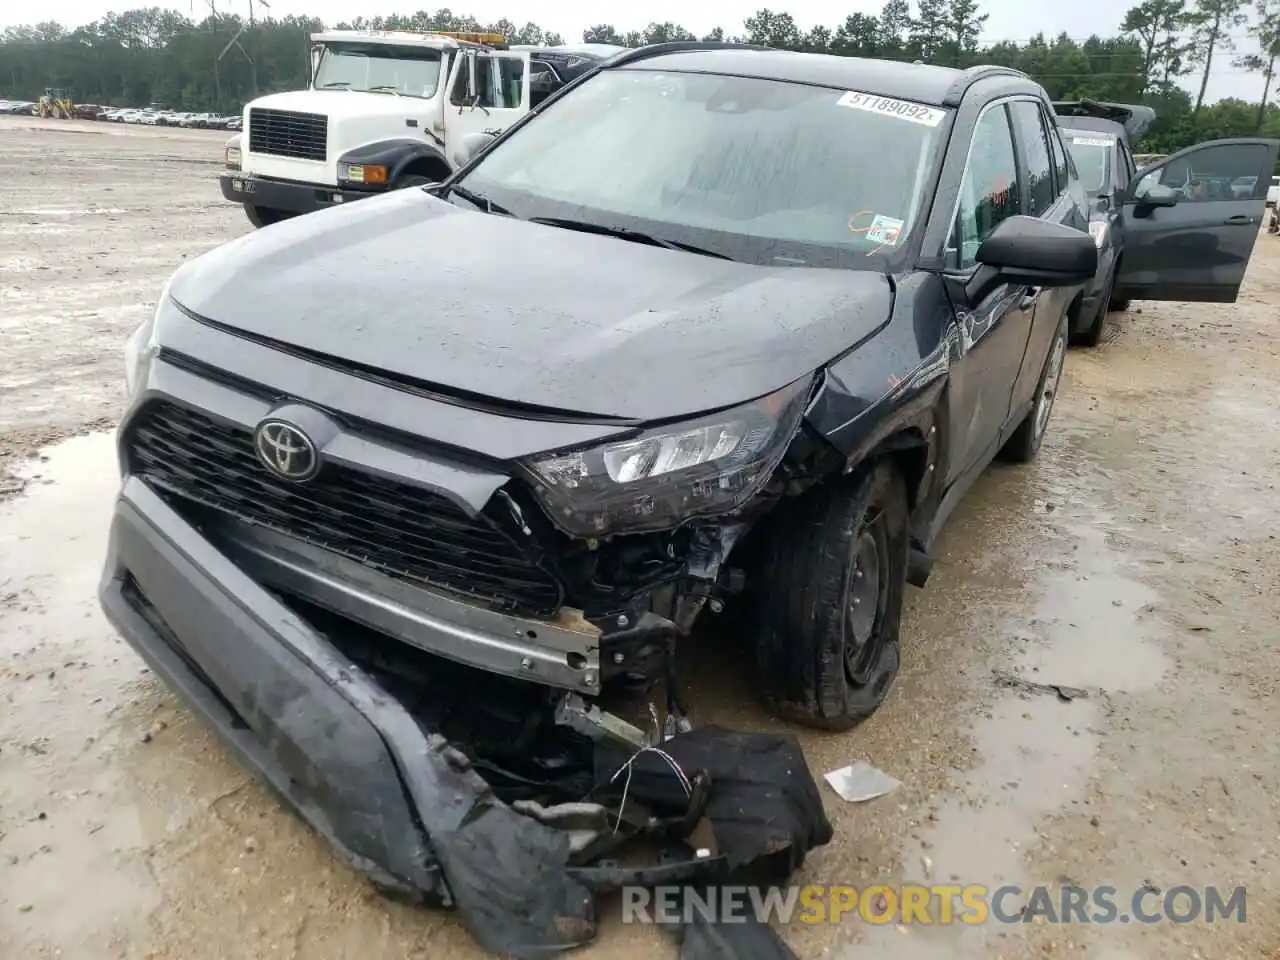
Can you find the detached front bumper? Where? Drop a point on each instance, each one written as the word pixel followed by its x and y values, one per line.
pixel 287 195
pixel 348 758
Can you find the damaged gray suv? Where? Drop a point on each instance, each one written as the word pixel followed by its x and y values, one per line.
pixel 713 329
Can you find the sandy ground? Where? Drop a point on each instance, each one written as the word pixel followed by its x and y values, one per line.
pixel 1136 559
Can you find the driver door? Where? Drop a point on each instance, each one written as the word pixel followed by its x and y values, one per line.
pixel 1194 244
pixel 488 92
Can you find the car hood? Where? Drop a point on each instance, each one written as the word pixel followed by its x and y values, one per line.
pixel 531 315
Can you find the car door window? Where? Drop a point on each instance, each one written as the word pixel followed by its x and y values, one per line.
pixel 1208 173
pixel 1028 120
pixel 989 191
pixel 1061 167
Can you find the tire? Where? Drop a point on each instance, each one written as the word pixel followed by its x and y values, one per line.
pixel 1024 443
pixel 1091 335
pixel 822 659
pixel 1119 306
pixel 264 216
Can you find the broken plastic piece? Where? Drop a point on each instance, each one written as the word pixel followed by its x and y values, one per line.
pixel 860 782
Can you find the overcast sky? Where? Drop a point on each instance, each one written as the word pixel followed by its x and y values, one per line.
pixel 1009 19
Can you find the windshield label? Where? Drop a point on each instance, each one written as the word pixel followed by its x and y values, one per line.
pixel 885 230
pixel 887 106
pixel 1093 141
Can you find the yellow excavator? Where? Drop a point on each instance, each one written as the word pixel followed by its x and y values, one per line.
pixel 55 105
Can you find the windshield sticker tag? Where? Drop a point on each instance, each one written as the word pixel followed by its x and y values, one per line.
pixel 1093 141
pixel 885 230
pixel 887 106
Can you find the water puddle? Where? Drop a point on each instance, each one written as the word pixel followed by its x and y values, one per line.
pixel 1092 627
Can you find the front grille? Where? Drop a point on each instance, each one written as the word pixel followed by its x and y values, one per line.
pixel 288 133
pixel 396 528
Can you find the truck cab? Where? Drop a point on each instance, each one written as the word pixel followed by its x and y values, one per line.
pixel 384 110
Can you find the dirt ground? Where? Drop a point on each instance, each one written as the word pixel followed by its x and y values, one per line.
pixel 1137 559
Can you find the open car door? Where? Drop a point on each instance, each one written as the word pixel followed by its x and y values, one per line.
pixel 1188 234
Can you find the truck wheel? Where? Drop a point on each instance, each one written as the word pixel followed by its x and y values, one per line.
pixel 1024 443
pixel 1119 306
pixel 264 216
pixel 834 571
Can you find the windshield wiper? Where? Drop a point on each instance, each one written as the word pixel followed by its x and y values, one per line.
pixel 335 83
pixel 483 202
pixel 384 88
pixel 635 236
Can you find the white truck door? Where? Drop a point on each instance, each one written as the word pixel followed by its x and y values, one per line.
pixel 496 98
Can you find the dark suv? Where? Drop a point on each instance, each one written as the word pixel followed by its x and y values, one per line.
pixel 714 327
pixel 1146 249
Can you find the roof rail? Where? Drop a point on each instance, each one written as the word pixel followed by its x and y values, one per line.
pixel 677 46
pixel 971 75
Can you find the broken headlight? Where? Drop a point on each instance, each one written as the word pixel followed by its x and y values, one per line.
pixel 669 474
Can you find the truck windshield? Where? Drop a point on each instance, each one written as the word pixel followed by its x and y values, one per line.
pixel 408 71
pixel 761 171
pixel 1092 154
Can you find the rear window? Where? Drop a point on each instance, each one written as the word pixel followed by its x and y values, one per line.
pixel 1092 154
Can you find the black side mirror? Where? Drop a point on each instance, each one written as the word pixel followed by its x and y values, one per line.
pixel 1034 252
pixel 1157 195
pixel 473 144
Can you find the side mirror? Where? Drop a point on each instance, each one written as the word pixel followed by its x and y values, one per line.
pixel 1034 252
pixel 473 144
pixel 1157 195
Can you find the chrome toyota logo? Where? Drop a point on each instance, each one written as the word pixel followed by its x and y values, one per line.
pixel 286 451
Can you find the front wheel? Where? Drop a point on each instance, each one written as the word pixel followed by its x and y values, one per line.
pixel 1024 442
pixel 834 572
pixel 264 216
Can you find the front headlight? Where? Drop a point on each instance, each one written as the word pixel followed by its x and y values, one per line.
pixel 1098 230
pixel 141 348
pixel 669 474
pixel 231 154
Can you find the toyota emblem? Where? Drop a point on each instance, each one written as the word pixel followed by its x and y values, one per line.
pixel 286 451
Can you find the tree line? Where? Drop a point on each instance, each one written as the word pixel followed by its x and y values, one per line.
pixel 218 63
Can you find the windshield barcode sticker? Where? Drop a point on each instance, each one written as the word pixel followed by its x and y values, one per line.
pixel 885 230
pixel 887 106
pixel 1093 141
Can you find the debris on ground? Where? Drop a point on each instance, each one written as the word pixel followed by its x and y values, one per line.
pixel 1062 692
pixel 860 782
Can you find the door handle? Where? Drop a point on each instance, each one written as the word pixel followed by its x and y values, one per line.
pixel 1239 219
pixel 1029 298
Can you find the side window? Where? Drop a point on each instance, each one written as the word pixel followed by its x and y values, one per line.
pixel 511 86
pixel 989 191
pixel 1209 172
pixel 1061 168
pixel 1028 121
pixel 1127 166
pixel 543 81
pixel 458 95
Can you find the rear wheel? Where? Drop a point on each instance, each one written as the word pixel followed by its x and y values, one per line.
pixel 1119 306
pixel 264 216
pixel 1024 442
pixel 835 566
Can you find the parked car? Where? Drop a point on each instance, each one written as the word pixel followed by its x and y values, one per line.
pixel 1213 192
pixel 1273 192
pixel 681 339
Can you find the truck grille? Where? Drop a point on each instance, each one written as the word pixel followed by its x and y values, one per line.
pixel 396 528
pixel 288 133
